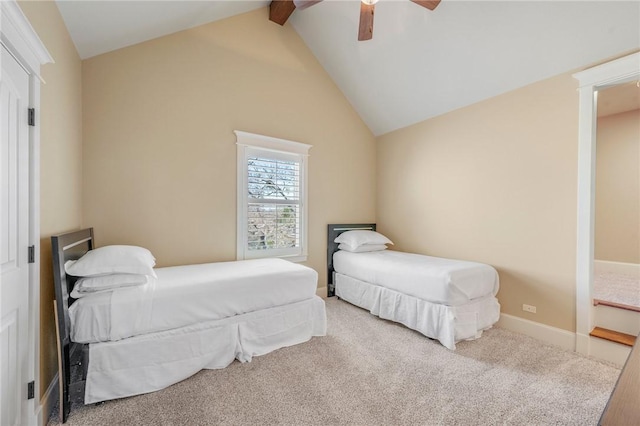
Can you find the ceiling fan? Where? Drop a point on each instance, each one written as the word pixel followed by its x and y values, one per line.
pixel 280 10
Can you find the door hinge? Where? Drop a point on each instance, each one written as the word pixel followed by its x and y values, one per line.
pixel 31 391
pixel 32 254
pixel 32 116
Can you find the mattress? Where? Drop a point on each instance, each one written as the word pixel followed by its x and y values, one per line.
pixel 185 295
pixel 433 279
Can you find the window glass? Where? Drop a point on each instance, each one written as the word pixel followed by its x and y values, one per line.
pixel 271 197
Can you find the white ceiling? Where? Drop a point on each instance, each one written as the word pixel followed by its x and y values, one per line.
pixel 420 63
pixel 100 26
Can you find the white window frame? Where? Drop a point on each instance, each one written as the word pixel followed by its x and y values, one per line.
pixel 250 144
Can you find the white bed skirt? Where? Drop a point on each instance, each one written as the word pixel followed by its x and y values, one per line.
pixel 154 361
pixel 448 324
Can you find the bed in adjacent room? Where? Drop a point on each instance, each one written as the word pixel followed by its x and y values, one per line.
pixel 137 329
pixel 444 299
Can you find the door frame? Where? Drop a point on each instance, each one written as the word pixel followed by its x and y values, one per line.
pixel 21 40
pixel 609 74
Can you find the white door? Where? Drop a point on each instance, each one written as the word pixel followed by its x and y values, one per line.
pixel 14 233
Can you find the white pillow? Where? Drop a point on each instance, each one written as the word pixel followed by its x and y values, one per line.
pixel 363 248
pixel 361 237
pixel 113 260
pixel 92 285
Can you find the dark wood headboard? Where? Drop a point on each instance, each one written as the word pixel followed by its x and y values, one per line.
pixel 65 247
pixel 333 231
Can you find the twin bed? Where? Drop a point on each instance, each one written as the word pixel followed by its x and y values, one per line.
pixel 444 299
pixel 139 339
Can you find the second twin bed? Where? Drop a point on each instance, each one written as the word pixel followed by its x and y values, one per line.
pixel 444 299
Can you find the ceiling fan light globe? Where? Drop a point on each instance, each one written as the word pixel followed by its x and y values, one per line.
pixel 370 2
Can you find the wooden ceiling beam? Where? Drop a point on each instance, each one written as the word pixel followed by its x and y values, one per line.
pixel 429 4
pixel 365 31
pixel 280 10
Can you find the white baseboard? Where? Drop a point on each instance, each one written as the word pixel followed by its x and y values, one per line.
pixel 582 343
pixel 615 353
pixel 586 345
pixel 551 335
pixel 322 292
pixel 602 266
pixel 47 402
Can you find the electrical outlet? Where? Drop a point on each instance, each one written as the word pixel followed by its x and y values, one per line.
pixel 529 308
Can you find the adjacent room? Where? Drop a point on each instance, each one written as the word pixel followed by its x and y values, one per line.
pixel 260 171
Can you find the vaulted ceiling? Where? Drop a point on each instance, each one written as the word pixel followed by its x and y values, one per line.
pixel 419 63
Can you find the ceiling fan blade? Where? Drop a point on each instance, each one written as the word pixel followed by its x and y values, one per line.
pixel 429 4
pixel 365 31
pixel 303 4
pixel 280 10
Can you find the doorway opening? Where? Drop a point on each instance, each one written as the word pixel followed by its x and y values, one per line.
pixel 591 81
pixel 616 279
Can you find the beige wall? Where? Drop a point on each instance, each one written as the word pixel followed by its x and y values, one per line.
pixel 159 149
pixel 617 222
pixel 494 182
pixel 60 159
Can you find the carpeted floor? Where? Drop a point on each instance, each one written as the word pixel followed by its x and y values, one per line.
pixel 620 289
pixel 368 371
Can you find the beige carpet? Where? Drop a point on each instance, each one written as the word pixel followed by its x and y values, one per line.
pixel 618 289
pixel 368 371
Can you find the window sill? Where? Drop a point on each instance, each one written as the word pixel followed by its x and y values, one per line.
pixel 296 259
pixel 291 257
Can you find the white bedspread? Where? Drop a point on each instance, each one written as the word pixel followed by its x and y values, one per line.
pixel 448 324
pixel 445 281
pixel 185 295
pixel 154 361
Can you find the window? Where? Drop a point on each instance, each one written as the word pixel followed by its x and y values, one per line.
pixel 272 191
